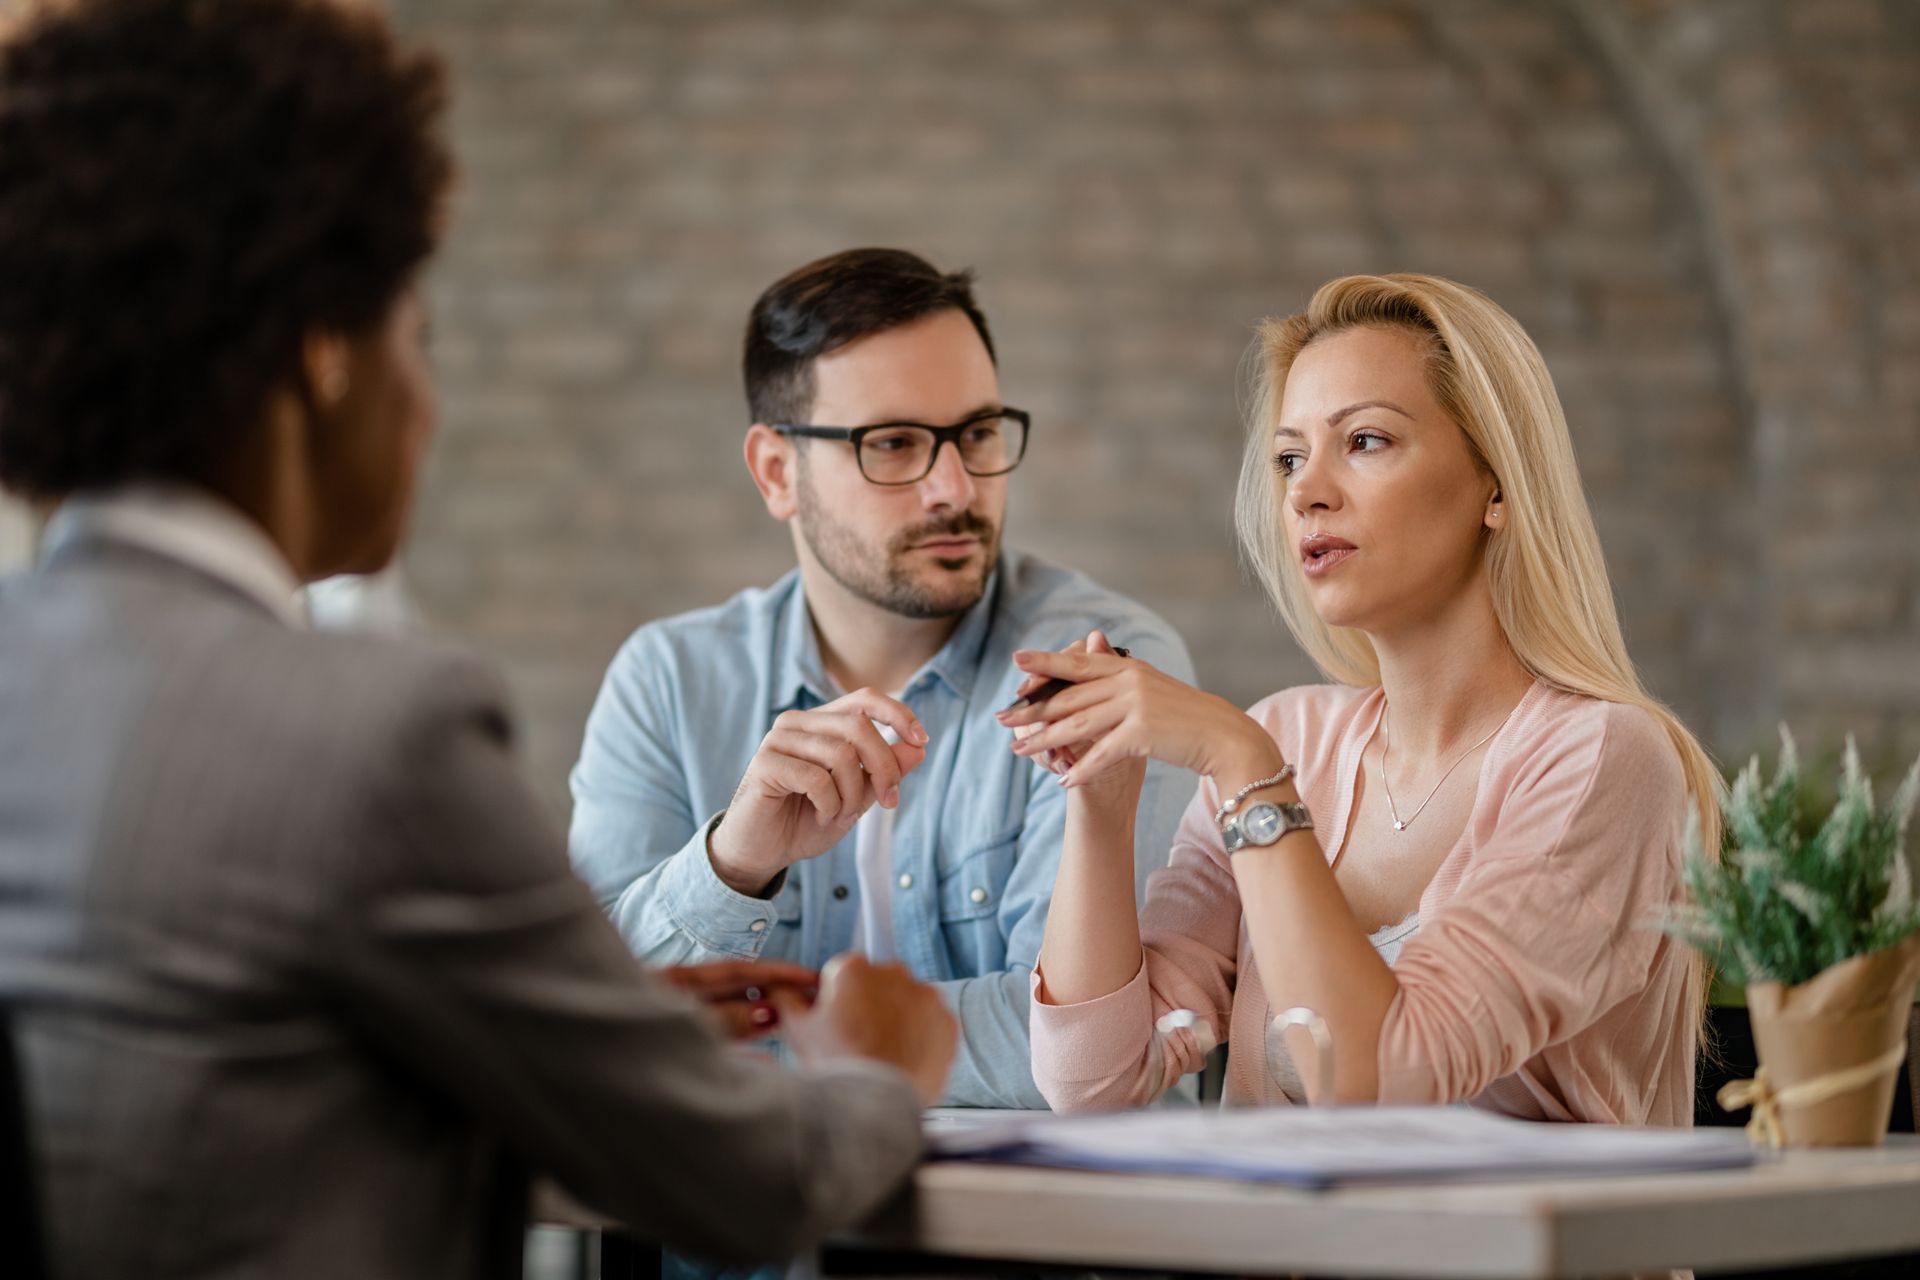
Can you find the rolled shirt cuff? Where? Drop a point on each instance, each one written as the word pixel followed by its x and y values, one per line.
pixel 706 909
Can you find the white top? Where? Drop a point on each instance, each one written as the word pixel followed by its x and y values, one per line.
pixel 194 527
pixel 873 867
pixel 1387 941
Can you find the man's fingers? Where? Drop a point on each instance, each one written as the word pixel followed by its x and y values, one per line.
pixel 820 745
pixel 794 742
pixel 795 776
pixel 875 705
pixel 876 757
pixel 907 756
pixel 863 762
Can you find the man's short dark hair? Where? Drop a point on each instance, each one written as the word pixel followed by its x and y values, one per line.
pixel 186 192
pixel 840 299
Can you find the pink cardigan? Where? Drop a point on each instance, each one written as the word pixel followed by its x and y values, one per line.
pixel 1534 987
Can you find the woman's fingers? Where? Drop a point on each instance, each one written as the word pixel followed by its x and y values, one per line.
pixel 746 1019
pixel 1097 759
pixel 1067 666
pixel 719 978
pixel 1058 707
pixel 741 993
pixel 1082 727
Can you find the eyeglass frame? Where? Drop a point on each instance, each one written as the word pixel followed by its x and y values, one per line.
pixel 941 436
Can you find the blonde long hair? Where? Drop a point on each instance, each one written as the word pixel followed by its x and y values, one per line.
pixel 1548 580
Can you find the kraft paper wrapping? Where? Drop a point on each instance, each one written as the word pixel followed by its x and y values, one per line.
pixel 1846 1016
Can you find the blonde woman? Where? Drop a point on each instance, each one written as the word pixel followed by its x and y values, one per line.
pixel 1452 853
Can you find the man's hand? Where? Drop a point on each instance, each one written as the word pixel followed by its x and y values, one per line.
pixel 815 774
pixel 877 1012
pixel 742 992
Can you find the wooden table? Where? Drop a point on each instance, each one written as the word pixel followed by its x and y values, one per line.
pixel 1801 1208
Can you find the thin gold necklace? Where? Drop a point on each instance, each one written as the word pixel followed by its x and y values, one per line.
pixel 1386 745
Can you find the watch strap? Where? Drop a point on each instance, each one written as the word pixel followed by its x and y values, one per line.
pixel 1294 816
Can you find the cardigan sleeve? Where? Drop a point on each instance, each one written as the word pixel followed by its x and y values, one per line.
pixel 1105 1053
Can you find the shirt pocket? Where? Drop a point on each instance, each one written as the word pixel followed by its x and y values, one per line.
pixel 971 889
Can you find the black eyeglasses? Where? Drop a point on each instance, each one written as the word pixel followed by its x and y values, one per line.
pixel 989 444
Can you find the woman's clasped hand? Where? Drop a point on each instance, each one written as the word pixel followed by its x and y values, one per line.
pixel 1122 712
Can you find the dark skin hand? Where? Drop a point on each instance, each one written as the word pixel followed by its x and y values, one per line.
pixel 747 995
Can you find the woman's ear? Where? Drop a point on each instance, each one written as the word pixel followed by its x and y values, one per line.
pixel 326 364
pixel 772 464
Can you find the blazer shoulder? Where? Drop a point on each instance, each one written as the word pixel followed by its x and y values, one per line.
pixel 369 698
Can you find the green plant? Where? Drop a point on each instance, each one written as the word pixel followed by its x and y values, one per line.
pixel 1788 899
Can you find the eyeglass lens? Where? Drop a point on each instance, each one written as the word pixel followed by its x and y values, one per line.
pixel 899 455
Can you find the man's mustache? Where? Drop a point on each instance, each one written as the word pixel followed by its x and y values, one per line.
pixel 966 524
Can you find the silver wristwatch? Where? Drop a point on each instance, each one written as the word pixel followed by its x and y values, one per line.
pixel 1263 824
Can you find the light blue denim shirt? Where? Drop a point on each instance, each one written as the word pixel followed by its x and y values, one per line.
pixel 976 840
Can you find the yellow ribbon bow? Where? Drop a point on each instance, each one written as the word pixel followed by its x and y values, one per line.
pixel 1767 1126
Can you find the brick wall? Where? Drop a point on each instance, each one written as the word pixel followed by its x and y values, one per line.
pixel 1705 212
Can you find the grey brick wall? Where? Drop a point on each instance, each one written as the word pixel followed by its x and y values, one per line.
pixel 1704 210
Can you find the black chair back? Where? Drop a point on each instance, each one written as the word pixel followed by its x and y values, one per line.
pixel 22 1246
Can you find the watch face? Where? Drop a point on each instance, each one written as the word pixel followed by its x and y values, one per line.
pixel 1262 824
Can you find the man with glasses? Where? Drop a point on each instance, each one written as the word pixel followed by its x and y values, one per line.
pixel 814 767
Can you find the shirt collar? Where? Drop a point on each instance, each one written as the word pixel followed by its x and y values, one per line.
pixel 191 527
pixel 799 670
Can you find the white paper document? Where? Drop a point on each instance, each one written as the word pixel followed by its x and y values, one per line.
pixel 1321 1147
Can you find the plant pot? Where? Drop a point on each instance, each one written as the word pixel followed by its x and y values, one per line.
pixel 1813 1036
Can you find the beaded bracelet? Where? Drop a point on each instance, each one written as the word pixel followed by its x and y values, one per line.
pixel 1286 771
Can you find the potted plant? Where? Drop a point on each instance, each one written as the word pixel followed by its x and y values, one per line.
pixel 1816 919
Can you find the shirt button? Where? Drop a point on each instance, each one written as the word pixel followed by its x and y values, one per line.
pixel 758 926
pixel 840 891
pixel 906 880
pixel 978 895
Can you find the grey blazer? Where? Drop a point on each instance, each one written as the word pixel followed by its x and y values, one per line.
pixel 305 986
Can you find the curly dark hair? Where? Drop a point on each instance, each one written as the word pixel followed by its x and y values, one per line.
pixel 186 191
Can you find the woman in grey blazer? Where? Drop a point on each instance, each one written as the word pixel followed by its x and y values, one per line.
pixel 301 978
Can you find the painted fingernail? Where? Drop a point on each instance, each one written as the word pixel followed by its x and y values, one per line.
pixel 893 797
pixel 916 734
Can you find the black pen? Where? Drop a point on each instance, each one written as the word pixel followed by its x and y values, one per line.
pixel 1054 686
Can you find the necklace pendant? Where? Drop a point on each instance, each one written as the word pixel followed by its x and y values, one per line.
pixel 1399 825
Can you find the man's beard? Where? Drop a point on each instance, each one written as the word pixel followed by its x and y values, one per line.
pixel 886 580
